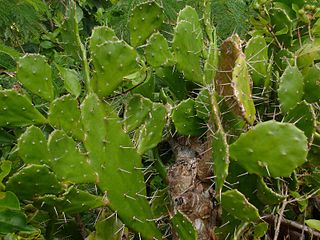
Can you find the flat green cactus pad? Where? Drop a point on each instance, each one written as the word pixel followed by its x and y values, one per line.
pixel 32 146
pixel 17 110
pixel 150 133
pixel 136 111
pixel 112 60
pixel 266 195
pixel 71 80
pixel 157 50
pixel 64 114
pixel 184 228
pixel 235 203
pixel 289 149
pixel 242 89
pixel 33 180
pixel 303 116
pixel 203 104
pixel 118 166
pixel 35 74
pixel 220 156
pixel 187 45
pixel 73 201
pixel 257 56
pixel 185 119
pixel 145 19
pixel 311 85
pixel 101 34
pixel 67 162
pixel 290 90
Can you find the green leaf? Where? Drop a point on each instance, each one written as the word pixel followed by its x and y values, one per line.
pixel 71 81
pixel 313 223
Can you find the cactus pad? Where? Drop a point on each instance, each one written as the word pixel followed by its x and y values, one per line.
pixel 203 104
pixel 136 111
pixel 290 90
pixel 145 18
pixel 220 156
pixel 118 166
pixel 235 203
pixel 289 149
pixel 66 160
pixel 32 146
pixel 71 80
pixel 157 50
pixel 65 114
pixel 17 110
pixel 266 195
pixel 35 74
pixel 33 180
pixel 312 85
pixel 101 34
pixel 112 60
pixel 257 56
pixel 150 133
pixel 183 227
pixel 185 119
pixel 303 117
pixel 187 45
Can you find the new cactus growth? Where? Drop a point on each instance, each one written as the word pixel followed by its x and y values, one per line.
pixel 183 227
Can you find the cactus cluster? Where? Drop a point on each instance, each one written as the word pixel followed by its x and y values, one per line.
pixel 91 130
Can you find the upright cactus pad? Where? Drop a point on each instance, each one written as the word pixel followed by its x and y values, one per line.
pixel 242 89
pixel 17 110
pixel 203 105
pixel 72 81
pixel 145 18
pixel 101 34
pixel 33 180
pixel 235 203
pixel 187 45
pixel 118 166
pixel 290 90
pixel 65 114
pixel 112 60
pixel 32 146
pixel 136 111
pixel 312 85
pixel 257 56
pixel 67 162
pixel 289 149
pixel 35 74
pixel 184 228
pixel 150 133
pixel 157 50
pixel 220 156
pixel 185 119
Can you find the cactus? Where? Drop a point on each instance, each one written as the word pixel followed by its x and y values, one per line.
pixel 136 111
pixel 33 180
pixel 5 167
pixel 185 119
pixel 71 80
pixel 289 149
pixel 256 53
pixel 17 110
pixel 157 51
pixel 113 157
pixel 145 18
pixel 303 116
pixel 32 146
pixel 72 201
pixel 100 35
pixel 235 203
pixel 65 114
pixel 112 60
pixel 183 227
pixel 266 195
pixel 67 162
pixel 203 105
pixel 150 133
pixel 290 90
pixel 35 74
pixel 311 85
pixel 187 45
